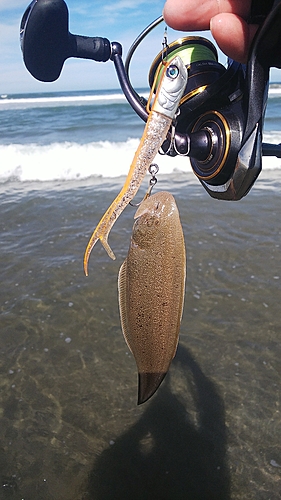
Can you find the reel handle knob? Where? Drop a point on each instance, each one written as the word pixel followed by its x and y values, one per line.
pixel 46 42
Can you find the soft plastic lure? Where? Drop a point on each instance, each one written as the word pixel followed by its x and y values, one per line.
pixel 169 92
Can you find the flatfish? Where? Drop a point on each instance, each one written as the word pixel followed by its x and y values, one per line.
pixel 151 286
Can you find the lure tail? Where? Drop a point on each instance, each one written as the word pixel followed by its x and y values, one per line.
pixel 99 234
pixel 93 240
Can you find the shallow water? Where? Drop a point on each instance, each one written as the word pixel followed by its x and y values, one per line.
pixel 70 427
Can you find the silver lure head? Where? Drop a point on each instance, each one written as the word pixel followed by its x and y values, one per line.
pixel 171 88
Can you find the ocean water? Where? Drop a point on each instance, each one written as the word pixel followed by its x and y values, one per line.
pixel 69 424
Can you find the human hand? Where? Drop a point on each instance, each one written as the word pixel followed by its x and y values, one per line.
pixel 225 18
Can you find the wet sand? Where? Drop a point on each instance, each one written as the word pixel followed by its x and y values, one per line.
pixel 70 426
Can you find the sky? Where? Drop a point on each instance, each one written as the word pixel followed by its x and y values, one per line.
pixel 117 20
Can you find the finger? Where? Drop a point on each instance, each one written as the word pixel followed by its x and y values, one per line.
pixel 193 15
pixel 233 35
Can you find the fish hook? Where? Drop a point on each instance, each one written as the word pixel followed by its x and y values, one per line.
pixel 172 137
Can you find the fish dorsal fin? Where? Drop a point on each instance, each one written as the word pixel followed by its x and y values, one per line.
pixel 122 297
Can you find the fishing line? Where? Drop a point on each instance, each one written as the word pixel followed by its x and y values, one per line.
pixel 162 65
pixel 165 44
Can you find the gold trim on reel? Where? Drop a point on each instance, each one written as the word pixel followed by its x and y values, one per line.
pixel 218 127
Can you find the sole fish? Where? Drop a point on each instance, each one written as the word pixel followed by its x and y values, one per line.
pixel 151 286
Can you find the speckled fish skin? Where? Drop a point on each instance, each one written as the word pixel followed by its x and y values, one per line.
pixel 151 287
pixel 163 111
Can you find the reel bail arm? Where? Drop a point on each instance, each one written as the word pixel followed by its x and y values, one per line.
pixel 132 97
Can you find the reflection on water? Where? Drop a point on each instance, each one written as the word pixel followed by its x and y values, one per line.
pixel 69 424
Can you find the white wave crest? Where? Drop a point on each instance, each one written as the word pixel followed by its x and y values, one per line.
pixel 67 161
pixel 70 160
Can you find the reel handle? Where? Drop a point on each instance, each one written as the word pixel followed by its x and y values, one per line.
pixel 46 42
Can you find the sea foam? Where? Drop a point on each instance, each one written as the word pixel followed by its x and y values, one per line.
pixel 66 161
pixel 69 160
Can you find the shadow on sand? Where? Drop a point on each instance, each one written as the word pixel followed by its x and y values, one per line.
pixel 166 455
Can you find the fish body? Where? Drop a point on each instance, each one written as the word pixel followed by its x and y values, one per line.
pixel 151 287
pixel 163 111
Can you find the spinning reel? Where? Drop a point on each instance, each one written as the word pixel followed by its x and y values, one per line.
pixel 220 123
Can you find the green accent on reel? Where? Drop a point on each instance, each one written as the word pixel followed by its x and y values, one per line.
pixel 190 49
pixel 192 54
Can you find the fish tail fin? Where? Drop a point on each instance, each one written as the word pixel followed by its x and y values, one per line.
pixel 148 385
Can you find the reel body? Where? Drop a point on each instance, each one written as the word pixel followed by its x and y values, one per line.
pixel 213 117
pixel 221 113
